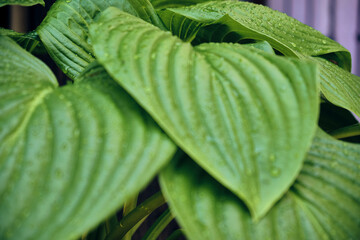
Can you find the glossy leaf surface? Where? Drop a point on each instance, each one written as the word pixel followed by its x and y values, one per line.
pixel 66 153
pixel 324 202
pixel 236 110
pixel 21 2
pixel 64 31
pixel 243 20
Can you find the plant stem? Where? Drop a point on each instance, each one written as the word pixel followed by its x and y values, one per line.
pixel 128 207
pixel 345 132
pixel 176 234
pixel 136 215
pixel 160 224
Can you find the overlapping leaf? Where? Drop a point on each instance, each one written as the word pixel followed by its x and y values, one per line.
pixel 324 202
pixel 242 20
pixel 69 156
pixel 236 110
pixel 64 31
pixel 237 21
pixel 21 2
pixel 339 86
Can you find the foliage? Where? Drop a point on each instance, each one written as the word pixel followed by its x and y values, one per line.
pixel 219 99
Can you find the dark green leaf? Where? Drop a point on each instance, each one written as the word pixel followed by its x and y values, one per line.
pixel 339 86
pixel 324 202
pixel 69 156
pixel 29 41
pixel 237 111
pixel 251 21
pixel 333 117
pixel 64 31
pixel 21 2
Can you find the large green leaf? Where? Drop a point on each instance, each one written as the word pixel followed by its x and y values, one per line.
pixel 324 202
pixel 237 111
pixel 239 21
pixel 21 2
pixel 339 86
pixel 64 31
pixel 69 156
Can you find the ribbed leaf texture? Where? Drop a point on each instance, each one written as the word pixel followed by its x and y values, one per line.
pixel 241 21
pixel 235 110
pixel 64 31
pixel 324 202
pixel 69 156
pixel 21 2
pixel 339 86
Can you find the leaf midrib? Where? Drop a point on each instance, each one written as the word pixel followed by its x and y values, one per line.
pixel 35 103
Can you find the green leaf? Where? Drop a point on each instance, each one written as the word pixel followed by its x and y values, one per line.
pixel 240 21
pixel 262 45
pixel 234 21
pixel 21 2
pixel 339 86
pixel 160 4
pixel 29 41
pixel 70 156
pixel 64 31
pixel 324 202
pixel 236 110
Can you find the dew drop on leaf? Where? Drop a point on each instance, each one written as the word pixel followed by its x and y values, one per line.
pixel 58 173
pixel 275 172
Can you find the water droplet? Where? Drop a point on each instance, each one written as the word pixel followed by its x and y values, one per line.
pixel 293 44
pixel 323 41
pixel 210 139
pixel 58 173
pixel 249 172
pixel 147 90
pixel 275 172
pixel 334 164
pixel 68 1
pixel 111 27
